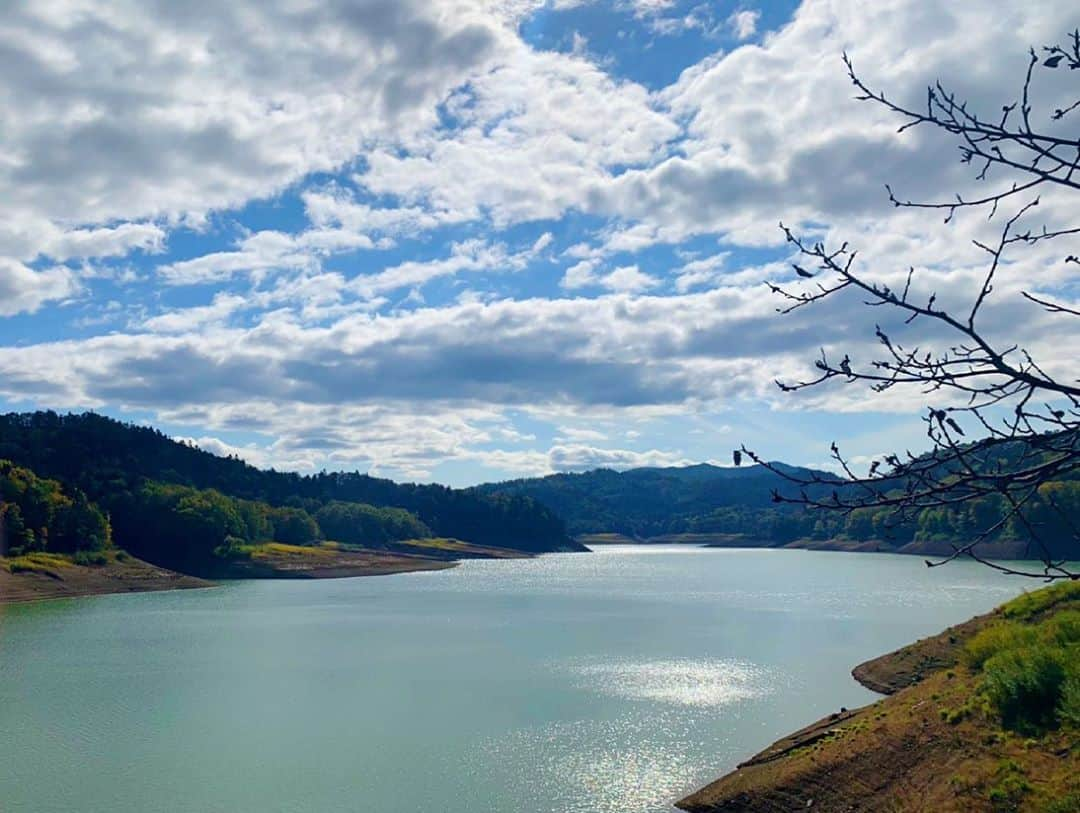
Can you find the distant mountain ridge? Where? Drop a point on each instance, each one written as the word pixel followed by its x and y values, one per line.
pixel 652 501
pixel 726 506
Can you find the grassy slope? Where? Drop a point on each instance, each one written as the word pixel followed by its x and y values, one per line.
pixel 49 575
pixel 334 560
pixel 932 745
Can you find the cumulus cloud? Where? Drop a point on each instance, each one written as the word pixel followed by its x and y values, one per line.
pixel 743 23
pixel 128 111
pixel 23 290
pixel 579 457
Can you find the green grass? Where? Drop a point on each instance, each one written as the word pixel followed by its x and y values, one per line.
pixel 438 542
pixel 1025 606
pixel 271 549
pixel 46 563
pixel 995 639
pixel 1066 804
pixel 1030 663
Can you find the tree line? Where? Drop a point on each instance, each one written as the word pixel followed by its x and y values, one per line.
pixel 177 505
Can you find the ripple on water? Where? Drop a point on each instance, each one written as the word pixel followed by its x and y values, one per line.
pixel 702 683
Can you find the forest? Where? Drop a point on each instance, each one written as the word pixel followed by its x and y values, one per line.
pixel 39 516
pixel 179 506
pixel 650 502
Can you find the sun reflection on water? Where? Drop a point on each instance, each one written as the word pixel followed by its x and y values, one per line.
pixel 685 682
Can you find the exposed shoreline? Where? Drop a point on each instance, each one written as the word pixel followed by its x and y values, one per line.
pixel 917 748
pixel 136 576
pixel 1012 549
pixel 74 581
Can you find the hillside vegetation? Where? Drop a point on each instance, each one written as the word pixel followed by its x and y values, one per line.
pixel 704 499
pixel 180 507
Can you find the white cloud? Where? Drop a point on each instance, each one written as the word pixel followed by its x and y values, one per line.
pixel 122 112
pixel 23 290
pixel 262 252
pixel 625 279
pixel 183 320
pixel 743 23
pixel 579 275
pixel 469 255
pixel 580 457
pixel 542 242
pixel 628 279
pixel 538 130
pixel 700 272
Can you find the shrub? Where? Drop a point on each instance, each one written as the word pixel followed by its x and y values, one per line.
pixel 1025 685
pixel 87 558
pixel 995 639
pixel 1008 792
pixel 1063 629
pixel 233 548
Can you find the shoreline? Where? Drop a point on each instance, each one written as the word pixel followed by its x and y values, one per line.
pixel 994 550
pixel 908 750
pixel 68 580
pixel 75 581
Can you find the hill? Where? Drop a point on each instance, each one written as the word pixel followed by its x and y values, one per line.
pixel 179 506
pixel 650 502
pixel 734 506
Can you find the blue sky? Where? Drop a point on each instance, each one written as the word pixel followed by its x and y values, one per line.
pixel 468 240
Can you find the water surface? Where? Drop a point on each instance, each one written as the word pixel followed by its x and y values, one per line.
pixel 611 682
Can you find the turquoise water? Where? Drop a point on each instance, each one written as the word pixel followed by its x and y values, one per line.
pixel 611 682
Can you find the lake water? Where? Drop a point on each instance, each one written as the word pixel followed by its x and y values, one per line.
pixel 611 682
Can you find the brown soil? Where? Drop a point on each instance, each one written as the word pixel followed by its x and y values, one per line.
pixel 606 539
pixel 129 576
pixel 908 752
pixel 339 564
pixel 992 550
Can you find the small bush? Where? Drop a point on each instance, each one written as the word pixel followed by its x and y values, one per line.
pixel 1061 630
pixel 87 558
pixel 234 549
pixel 1025 685
pixel 1011 787
pixel 995 639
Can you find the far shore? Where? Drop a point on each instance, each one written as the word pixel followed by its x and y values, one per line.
pixel 130 575
pixel 1010 549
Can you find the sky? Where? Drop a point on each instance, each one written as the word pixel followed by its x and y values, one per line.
pixel 470 240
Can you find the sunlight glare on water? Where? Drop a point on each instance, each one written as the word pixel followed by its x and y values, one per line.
pixel 702 683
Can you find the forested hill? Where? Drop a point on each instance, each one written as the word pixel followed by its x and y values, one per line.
pixel 652 501
pixel 706 499
pixel 113 463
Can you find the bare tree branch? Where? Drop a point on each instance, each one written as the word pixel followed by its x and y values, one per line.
pixel 1024 422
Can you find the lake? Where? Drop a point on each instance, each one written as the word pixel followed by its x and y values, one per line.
pixel 611 682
